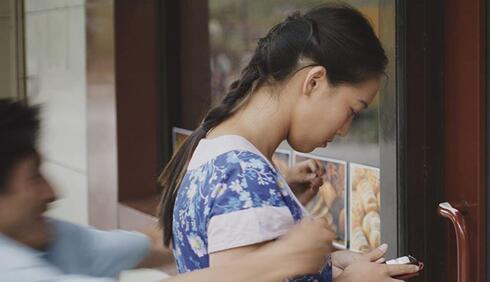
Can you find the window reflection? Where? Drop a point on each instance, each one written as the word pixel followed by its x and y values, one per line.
pixel 235 26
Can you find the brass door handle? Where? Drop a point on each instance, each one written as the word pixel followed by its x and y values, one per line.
pixel 462 241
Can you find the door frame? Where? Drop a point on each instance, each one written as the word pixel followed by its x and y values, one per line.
pixel 487 135
pixel 464 134
pixel 422 154
pixel 438 70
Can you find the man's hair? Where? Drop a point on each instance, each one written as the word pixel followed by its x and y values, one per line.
pixel 19 127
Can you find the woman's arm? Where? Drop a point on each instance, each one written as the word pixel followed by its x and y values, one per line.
pixel 260 267
pixel 303 250
pixel 229 256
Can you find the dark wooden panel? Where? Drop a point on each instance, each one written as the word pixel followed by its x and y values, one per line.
pixel 169 77
pixel 422 24
pixel 487 135
pixel 464 123
pixel 185 85
pixel 136 28
pixel 195 75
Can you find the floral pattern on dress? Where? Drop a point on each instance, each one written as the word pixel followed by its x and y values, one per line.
pixel 233 181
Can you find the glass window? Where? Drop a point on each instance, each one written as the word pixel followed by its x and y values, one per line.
pixel 235 26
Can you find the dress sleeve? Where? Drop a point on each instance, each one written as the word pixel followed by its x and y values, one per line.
pixel 248 205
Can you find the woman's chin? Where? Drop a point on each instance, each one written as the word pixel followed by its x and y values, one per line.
pixel 304 149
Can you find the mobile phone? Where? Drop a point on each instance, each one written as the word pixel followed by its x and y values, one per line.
pixel 407 260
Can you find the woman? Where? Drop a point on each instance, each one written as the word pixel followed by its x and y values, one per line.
pixel 308 78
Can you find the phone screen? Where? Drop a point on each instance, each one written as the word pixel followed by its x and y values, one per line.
pixel 404 260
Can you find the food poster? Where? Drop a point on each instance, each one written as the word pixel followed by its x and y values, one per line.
pixel 331 201
pixel 178 137
pixel 365 204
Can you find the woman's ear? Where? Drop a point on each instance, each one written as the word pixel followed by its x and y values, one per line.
pixel 313 79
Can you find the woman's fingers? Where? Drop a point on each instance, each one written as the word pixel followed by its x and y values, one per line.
pixel 322 221
pixel 306 171
pixel 377 253
pixel 316 183
pixel 399 269
pixel 321 168
pixel 404 278
pixel 328 233
pixel 309 177
pixel 311 165
pixel 316 167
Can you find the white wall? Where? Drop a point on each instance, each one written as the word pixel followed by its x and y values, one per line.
pixel 55 59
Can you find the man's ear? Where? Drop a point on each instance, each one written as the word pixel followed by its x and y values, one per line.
pixel 313 78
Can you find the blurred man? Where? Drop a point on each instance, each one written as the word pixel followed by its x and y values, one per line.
pixel 33 247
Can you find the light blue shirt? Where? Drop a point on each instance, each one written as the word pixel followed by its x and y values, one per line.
pixel 78 253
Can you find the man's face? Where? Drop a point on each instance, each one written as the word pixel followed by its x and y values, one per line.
pixel 25 198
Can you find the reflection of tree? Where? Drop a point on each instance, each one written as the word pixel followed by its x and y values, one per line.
pixel 235 26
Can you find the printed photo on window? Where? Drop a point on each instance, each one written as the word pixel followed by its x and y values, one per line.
pixel 365 204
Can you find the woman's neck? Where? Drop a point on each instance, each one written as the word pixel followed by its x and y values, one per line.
pixel 263 120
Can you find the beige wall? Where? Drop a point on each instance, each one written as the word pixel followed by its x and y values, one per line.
pixel 9 50
pixel 55 64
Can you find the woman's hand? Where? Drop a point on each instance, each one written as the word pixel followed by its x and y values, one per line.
pixel 304 249
pixel 374 272
pixel 342 259
pixel 305 178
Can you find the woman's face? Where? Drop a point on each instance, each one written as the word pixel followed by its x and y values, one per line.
pixel 322 111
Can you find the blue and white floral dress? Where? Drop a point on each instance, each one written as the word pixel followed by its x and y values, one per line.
pixel 231 196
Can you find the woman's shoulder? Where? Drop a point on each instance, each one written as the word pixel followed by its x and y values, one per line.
pixel 233 164
pixel 246 159
pixel 228 149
